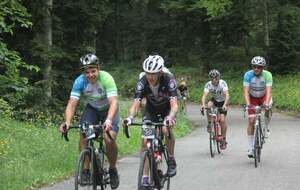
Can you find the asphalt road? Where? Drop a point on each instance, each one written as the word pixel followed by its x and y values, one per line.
pixel 232 169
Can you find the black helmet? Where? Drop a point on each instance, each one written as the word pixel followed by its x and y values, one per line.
pixel 89 60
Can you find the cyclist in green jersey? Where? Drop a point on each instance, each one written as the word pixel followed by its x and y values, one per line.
pixel 100 91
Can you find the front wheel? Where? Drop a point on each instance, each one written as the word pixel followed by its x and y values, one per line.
pixel 212 142
pixel 145 169
pixel 84 171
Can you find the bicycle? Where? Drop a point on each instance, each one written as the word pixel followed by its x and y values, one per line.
pixel 215 135
pixel 91 170
pixel 155 156
pixel 182 103
pixel 259 138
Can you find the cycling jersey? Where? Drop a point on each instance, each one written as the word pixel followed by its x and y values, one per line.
pixel 96 94
pixel 217 91
pixel 257 84
pixel 158 97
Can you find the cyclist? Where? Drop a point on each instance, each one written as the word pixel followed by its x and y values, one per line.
pixel 257 91
pixel 219 90
pixel 159 89
pixel 183 90
pixel 100 91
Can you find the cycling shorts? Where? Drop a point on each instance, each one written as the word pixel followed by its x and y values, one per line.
pixel 219 105
pixel 94 117
pixel 256 102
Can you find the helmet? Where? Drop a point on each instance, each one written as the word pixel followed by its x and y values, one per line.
pixel 183 83
pixel 153 64
pixel 89 60
pixel 258 60
pixel 214 74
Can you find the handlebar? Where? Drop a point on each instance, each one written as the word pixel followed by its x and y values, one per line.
pixel 159 124
pixel 96 127
pixel 218 108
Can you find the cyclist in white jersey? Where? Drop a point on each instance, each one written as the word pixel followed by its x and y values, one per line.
pixel 220 97
pixel 100 91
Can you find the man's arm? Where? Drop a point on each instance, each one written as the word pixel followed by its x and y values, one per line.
pixel 268 94
pixel 246 95
pixel 203 100
pixel 226 93
pixel 174 107
pixel 70 110
pixel 113 107
pixel 134 108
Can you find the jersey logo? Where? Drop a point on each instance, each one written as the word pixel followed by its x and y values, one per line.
pixel 172 85
pixel 139 86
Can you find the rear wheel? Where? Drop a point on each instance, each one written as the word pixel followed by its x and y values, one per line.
pixel 84 172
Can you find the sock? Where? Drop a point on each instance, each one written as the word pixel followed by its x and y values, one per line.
pixel 251 141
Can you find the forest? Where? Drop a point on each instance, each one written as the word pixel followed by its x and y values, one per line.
pixel 41 41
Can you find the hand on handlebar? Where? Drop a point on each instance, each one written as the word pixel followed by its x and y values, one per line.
pixel 128 121
pixel 202 108
pixel 224 107
pixel 170 121
pixel 107 125
pixel 63 128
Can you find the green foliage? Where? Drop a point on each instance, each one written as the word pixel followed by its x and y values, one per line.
pixel 285 50
pixel 213 7
pixel 5 109
pixel 13 14
pixel 31 156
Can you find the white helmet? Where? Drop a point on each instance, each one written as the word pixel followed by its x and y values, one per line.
pixel 258 60
pixel 153 64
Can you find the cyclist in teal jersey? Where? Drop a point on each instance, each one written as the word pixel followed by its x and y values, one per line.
pixel 100 91
pixel 257 91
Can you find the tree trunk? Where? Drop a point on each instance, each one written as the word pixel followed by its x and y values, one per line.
pixel 46 39
pixel 266 29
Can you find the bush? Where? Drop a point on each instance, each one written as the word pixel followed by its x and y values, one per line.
pixel 5 109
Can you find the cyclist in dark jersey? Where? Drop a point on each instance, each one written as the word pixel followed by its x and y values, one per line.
pixel 160 91
pixel 100 91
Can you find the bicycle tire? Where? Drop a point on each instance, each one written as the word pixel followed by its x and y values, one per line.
pixel 85 154
pixel 212 142
pixel 256 147
pixel 144 157
pixel 164 180
pixel 100 171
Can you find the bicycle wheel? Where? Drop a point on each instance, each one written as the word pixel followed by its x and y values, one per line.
pixel 212 142
pixel 101 177
pixel 145 162
pixel 256 146
pixel 162 169
pixel 184 106
pixel 84 171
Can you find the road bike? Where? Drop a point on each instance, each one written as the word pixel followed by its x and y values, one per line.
pixel 182 103
pixel 215 135
pixel 259 138
pixel 154 158
pixel 91 171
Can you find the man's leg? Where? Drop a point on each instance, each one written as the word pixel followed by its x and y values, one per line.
pixel 210 104
pixel 250 133
pixel 112 151
pixel 170 142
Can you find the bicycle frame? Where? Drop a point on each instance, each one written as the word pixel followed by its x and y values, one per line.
pixel 154 146
pixel 258 134
pixel 90 154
